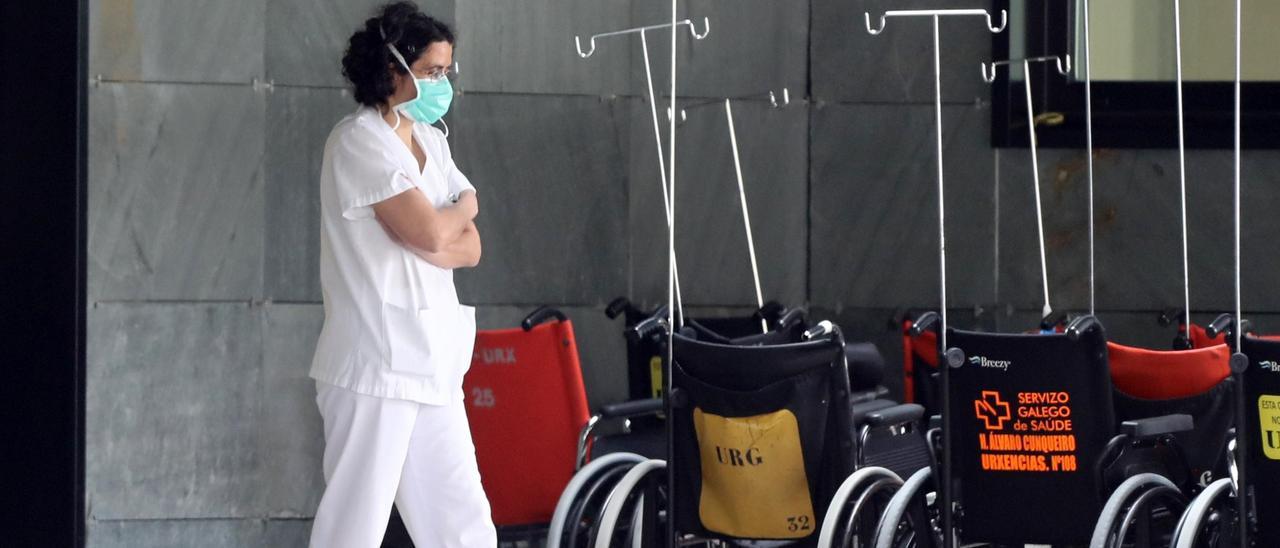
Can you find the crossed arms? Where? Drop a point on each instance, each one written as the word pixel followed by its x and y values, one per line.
pixel 445 237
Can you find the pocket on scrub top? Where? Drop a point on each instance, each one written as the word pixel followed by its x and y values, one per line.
pixel 409 338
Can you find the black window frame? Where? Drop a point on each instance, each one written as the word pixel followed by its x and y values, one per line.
pixel 1139 114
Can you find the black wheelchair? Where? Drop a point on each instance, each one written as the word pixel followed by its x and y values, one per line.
pixel 1033 451
pixel 621 435
pixel 766 439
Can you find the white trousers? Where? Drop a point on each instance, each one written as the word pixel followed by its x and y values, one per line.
pixel 380 450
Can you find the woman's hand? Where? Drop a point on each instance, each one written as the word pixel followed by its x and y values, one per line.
pixel 468 204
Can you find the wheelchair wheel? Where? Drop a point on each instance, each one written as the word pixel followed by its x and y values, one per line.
pixel 839 524
pixel 907 520
pixel 629 529
pixel 601 471
pixel 619 498
pixel 1125 504
pixel 1209 520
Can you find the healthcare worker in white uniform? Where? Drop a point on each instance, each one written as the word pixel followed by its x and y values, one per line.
pixel 397 217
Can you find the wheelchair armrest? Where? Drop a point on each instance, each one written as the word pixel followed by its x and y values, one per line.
pixel 1157 426
pixel 896 415
pixel 860 410
pixel 628 409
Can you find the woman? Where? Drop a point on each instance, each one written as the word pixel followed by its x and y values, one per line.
pixel 397 218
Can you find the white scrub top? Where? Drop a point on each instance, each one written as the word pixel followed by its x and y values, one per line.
pixel 393 327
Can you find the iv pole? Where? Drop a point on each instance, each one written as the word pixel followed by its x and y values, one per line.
pixel 936 15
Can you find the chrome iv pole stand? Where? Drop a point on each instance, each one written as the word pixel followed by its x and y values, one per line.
pixel 742 192
pixel 1182 165
pixel 653 108
pixel 989 76
pixel 936 15
pixel 1088 138
pixel 1239 362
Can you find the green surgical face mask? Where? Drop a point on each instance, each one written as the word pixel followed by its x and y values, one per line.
pixel 433 96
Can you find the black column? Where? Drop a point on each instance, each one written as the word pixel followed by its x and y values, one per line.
pixel 43 118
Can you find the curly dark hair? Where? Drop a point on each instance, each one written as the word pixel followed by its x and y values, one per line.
pixel 367 58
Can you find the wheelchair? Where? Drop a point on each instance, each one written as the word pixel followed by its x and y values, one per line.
pixel 1220 515
pixel 1041 455
pixel 1195 381
pixel 766 439
pixel 638 433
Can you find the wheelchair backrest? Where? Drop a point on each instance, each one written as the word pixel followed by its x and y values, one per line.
pixel 1030 416
pixel 762 437
pixel 1195 382
pixel 1262 434
pixel 526 405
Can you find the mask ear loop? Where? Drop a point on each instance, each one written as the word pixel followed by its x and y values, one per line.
pixel 446 128
pixel 407 70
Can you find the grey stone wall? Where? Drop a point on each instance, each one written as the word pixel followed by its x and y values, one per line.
pixel 205 139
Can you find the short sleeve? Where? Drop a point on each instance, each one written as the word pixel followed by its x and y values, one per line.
pixel 364 172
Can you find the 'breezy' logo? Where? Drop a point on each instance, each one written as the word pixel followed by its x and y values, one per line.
pixel 1270 366
pixel 982 361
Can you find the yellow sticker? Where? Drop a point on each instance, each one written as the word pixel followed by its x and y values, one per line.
pixel 1269 415
pixel 754 484
pixel 655 376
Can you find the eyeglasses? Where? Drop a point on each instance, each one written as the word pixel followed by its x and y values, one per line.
pixel 434 76
pixel 438 74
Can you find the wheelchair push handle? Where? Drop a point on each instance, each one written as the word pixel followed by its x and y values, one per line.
pixel 792 317
pixel 616 307
pixel 650 326
pixel 1052 321
pixel 925 322
pixel 1082 325
pixel 1219 325
pixel 1169 317
pixel 824 328
pixel 540 316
